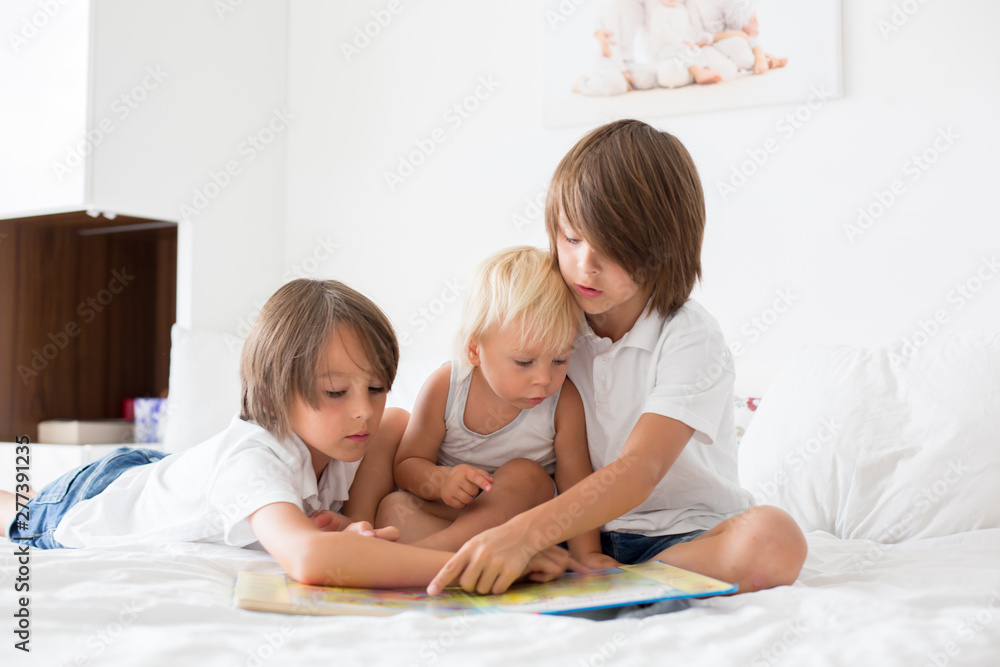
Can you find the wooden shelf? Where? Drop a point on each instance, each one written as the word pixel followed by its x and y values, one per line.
pixel 86 317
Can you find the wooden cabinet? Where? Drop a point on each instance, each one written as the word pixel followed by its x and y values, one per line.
pixel 87 311
pixel 133 109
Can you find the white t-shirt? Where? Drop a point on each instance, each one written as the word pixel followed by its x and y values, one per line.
pixel 206 493
pixel 679 368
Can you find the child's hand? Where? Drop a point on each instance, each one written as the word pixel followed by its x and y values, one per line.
pixel 463 484
pixel 491 561
pixel 604 39
pixel 389 533
pixel 331 522
pixel 328 521
pixel 547 565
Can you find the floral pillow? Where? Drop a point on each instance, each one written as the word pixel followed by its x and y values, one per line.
pixel 745 409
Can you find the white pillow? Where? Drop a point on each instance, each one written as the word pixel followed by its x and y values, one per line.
pixel 204 386
pixel 885 444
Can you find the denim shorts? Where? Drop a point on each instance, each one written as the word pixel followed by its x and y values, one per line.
pixel 632 548
pixel 47 509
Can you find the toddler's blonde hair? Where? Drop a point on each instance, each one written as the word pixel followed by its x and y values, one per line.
pixel 519 287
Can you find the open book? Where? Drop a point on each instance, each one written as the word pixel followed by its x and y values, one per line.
pixel 614 587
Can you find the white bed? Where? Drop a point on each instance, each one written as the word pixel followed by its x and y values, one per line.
pixel 890 579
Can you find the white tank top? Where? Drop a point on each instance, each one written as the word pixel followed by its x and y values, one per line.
pixel 529 436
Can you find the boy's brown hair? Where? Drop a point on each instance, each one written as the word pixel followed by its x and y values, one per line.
pixel 633 194
pixel 288 341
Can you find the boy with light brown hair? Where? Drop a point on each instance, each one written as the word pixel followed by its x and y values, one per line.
pixel 300 470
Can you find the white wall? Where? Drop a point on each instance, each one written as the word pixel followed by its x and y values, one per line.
pixel 43 109
pixel 315 200
pixel 195 96
pixel 782 231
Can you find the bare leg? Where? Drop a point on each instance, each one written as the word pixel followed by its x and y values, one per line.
pixel 518 485
pixel 415 517
pixel 761 548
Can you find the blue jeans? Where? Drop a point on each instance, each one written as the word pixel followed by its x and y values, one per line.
pixel 47 509
pixel 632 548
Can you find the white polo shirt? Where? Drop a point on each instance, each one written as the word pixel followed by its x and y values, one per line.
pixel 206 493
pixel 680 368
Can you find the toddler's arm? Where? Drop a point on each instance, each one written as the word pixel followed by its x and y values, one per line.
pixel 572 466
pixel 416 468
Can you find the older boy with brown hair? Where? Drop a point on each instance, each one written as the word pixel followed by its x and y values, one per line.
pixel 625 218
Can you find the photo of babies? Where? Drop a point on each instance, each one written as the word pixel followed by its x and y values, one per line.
pixel 649 58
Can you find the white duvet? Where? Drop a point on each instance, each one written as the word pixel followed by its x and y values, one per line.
pixel 924 602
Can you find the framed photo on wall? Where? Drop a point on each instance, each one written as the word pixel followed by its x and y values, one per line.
pixel 607 59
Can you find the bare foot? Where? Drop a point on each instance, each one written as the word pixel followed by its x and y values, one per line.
pixel 761 64
pixel 703 75
pixel 774 62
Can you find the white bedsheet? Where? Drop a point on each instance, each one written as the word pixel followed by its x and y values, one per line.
pixel 856 603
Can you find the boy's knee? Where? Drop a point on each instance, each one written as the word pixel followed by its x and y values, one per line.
pixel 775 545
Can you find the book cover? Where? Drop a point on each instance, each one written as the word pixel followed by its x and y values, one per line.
pixel 614 587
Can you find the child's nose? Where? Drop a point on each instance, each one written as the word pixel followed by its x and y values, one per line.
pixel 542 377
pixel 362 406
pixel 588 260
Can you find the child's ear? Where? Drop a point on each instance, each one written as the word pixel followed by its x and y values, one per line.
pixel 473 352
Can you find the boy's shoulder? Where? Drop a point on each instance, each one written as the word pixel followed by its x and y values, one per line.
pixel 242 435
pixel 692 317
pixel 690 328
